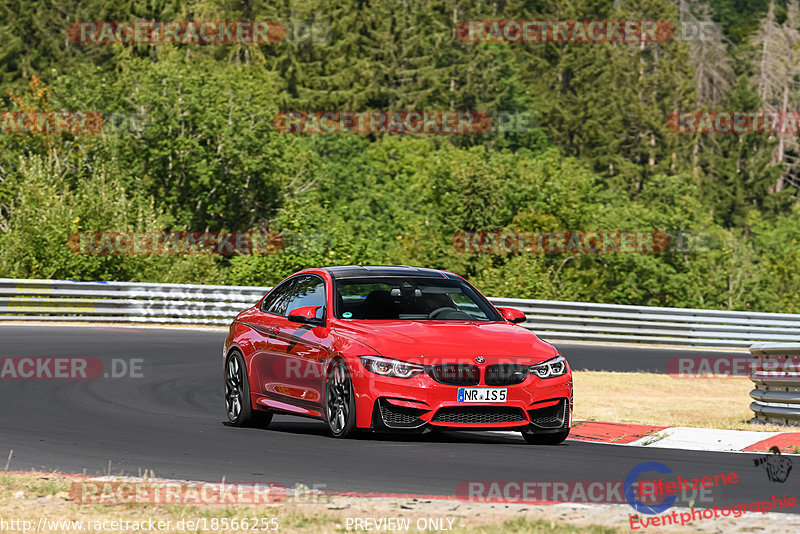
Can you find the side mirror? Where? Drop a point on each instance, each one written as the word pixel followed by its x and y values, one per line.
pixel 513 315
pixel 305 315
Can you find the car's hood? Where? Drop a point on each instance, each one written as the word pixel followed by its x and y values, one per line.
pixel 430 340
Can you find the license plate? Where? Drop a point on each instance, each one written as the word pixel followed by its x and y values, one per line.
pixel 481 394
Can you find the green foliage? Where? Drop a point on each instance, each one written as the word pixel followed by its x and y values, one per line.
pixel 206 149
pixel 45 212
pixel 189 145
pixel 739 18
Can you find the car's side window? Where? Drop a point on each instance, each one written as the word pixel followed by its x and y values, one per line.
pixel 276 302
pixel 307 290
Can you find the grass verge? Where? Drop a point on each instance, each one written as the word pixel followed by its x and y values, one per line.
pixel 43 501
pixel 658 399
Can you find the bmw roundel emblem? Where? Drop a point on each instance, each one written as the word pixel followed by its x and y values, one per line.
pixel 480 359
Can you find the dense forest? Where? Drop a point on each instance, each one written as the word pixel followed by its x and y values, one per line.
pixel 189 143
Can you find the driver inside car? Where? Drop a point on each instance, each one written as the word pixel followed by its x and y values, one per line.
pixel 434 301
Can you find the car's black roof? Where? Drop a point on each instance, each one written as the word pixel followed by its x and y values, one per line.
pixel 367 271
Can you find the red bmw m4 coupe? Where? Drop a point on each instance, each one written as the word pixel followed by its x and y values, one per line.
pixel 393 349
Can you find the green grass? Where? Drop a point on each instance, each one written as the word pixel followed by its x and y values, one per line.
pixel 34 486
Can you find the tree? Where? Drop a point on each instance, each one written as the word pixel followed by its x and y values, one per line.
pixel 208 152
pixel 713 72
pixel 778 66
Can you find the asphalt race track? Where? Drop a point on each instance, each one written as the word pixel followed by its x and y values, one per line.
pixel 171 420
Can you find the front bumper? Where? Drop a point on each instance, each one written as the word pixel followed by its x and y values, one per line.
pixel 540 405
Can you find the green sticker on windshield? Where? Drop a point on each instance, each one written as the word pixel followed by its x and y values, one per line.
pixel 347 315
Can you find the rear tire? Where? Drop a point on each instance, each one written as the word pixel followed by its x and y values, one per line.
pixel 553 438
pixel 237 395
pixel 340 404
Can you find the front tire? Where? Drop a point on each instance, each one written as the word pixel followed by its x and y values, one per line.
pixel 237 395
pixel 340 404
pixel 553 438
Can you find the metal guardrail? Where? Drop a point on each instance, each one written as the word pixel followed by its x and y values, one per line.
pixel 775 371
pixel 60 300
pixel 557 320
pixel 132 302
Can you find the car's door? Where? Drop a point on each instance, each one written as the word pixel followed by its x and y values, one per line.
pixel 292 368
pixel 266 328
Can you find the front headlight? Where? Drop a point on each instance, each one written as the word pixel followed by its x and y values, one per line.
pixel 555 367
pixel 389 367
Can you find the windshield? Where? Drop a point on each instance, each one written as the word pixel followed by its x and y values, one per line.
pixel 411 299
